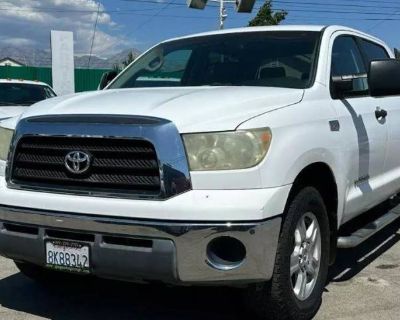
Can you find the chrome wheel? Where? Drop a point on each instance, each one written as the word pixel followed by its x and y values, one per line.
pixel 306 257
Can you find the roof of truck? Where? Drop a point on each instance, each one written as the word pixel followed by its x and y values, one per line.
pixel 316 28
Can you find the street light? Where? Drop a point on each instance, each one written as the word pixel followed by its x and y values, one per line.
pixel 242 6
pixel 245 6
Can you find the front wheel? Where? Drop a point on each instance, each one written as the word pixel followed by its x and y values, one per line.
pixel 301 264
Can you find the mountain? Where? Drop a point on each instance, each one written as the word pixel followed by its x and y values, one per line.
pixel 27 56
pixel 95 62
pixel 42 58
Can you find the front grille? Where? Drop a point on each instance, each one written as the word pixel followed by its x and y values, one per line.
pixel 117 165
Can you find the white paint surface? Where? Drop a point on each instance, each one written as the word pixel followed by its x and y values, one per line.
pixel 299 122
pixel 62 47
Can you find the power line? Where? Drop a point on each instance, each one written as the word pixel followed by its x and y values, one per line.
pixel 303 18
pixel 131 11
pixel 309 3
pixel 289 17
pixel 275 1
pixel 288 10
pixel 372 1
pixel 382 22
pixel 333 10
pixel 73 11
pixel 94 34
pixel 297 4
pixel 153 16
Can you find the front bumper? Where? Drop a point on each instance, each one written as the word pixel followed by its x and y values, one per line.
pixel 171 252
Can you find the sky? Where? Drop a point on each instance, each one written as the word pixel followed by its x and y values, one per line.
pixel 123 24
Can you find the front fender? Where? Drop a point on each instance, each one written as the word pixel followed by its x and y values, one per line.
pixel 301 136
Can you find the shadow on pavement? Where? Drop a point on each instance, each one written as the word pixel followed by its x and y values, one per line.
pixel 86 298
pixel 350 262
pixel 101 299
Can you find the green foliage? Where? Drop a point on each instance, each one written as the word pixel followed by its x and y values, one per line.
pixel 129 59
pixel 266 16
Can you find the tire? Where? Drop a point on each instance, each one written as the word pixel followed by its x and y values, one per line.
pixel 286 296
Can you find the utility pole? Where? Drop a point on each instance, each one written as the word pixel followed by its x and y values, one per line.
pixel 222 14
pixel 222 11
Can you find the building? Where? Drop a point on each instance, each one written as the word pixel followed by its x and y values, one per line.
pixel 10 62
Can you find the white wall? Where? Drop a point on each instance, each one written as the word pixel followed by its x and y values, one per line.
pixel 62 48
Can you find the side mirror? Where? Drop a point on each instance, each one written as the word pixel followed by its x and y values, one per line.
pixel 106 78
pixel 342 85
pixel 384 78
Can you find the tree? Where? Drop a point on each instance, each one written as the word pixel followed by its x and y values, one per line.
pixel 397 53
pixel 267 17
pixel 129 59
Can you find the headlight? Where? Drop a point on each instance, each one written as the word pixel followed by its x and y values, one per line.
pixel 5 141
pixel 227 150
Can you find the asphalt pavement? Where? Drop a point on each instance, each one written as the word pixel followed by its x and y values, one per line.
pixel 364 284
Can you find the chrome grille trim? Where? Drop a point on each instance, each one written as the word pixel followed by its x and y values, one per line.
pixel 171 178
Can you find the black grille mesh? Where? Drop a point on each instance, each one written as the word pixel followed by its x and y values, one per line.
pixel 118 165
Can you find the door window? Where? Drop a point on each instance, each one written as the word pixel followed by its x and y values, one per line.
pixel 347 61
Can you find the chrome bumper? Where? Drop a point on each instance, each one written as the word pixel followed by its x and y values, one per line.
pixel 177 254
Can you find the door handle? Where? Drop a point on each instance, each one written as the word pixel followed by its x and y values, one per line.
pixel 380 113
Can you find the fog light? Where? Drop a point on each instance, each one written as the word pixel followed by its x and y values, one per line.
pixel 225 253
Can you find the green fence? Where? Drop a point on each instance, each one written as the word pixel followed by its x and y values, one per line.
pixel 85 79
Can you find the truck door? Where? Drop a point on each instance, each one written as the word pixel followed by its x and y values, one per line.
pixel 374 51
pixel 364 136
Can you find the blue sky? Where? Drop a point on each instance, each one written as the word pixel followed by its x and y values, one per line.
pixel 142 23
pixel 174 20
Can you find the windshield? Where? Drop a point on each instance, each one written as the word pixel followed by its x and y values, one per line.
pixel 23 94
pixel 274 59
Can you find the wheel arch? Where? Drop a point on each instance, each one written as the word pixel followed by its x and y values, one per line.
pixel 320 176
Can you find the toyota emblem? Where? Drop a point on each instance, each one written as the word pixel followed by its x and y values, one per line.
pixel 77 162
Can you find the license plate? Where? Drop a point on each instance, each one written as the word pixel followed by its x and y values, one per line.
pixel 68 256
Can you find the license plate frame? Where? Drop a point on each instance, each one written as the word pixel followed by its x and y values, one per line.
pixel 69 256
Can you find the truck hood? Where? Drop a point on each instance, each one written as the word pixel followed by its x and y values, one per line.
pixel 11 111
pixel 192 109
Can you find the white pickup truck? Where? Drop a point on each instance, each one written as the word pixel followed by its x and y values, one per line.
pixel 225 158
pixel 17 95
